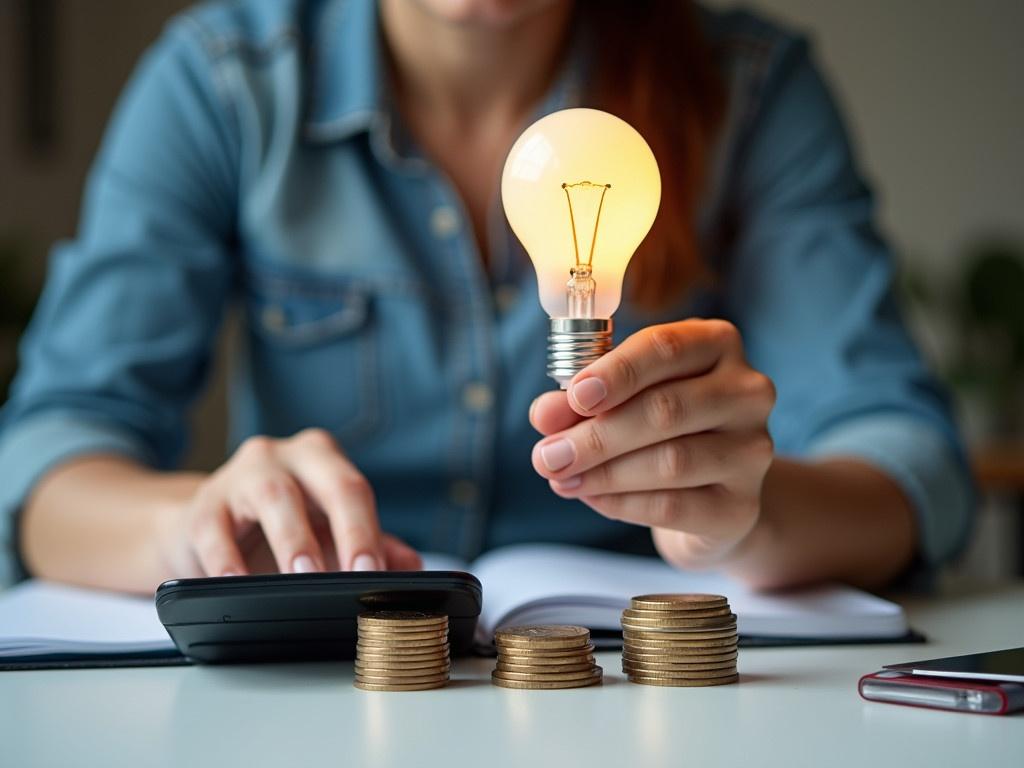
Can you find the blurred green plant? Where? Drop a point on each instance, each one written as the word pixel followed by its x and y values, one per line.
pixel 985 304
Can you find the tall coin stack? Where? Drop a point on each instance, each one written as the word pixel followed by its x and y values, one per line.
pixel 402 651
pixel 679 640
pixel 545 657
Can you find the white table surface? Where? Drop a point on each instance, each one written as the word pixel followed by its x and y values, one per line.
pixel 792 707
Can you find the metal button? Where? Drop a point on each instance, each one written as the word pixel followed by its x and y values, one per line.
pixel 444 221
pixel 273 317
pixel 505 297
pixel 477 397
pixel 463 492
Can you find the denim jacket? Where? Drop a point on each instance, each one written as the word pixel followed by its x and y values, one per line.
pixel 256 160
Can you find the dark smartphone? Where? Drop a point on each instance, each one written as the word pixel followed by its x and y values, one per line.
pixel 298 617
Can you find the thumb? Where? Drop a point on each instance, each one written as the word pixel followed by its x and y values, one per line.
pixel 551 413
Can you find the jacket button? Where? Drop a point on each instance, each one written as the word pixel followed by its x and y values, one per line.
pixel 477 397
pixel 464 493
pixel 444 221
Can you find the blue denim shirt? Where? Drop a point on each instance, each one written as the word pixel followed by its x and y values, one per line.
pixel 256 159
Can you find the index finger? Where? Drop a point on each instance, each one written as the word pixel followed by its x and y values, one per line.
pixel 655 354
pixel 344 495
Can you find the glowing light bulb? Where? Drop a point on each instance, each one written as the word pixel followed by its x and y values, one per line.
pixel 580 189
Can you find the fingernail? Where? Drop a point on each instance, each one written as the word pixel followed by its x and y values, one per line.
pixel 589 393
pixel 558 454
pixel 568 483
pixel 303 564
pixel 533 405
pixel 365 562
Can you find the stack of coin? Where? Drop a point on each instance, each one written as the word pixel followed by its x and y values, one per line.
pixel 548 657
pixel 402 651
pixel 679 640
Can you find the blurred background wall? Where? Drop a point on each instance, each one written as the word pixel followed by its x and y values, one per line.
pixel 933 93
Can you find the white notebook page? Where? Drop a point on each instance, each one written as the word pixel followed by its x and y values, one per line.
pixel 542 583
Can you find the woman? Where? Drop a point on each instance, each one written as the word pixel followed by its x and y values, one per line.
pixel 333 167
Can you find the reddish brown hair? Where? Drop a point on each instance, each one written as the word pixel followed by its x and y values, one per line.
pixel 655 70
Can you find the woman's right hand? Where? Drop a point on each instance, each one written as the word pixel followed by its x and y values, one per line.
pixel 314 509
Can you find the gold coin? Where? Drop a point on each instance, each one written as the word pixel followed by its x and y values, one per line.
pixel 546 636
pixel 402 680
pixel 678 600
pixel 653 667
pixel 399 687
pixel 716 622
pixel 689 613
pixel 377 642
pixel 406 662
pixel 690 674
pixel 689 649
pixel 679 634
pixel 550 669
pixel 679 640
pixel 380 634
pixel 594 679
pixel 371 671
pixel 515 665
pixel 401 619
pixel 681 644
pixel 542 676
pixel 546 653
pixel 679 683
pixel 668 658
pixel 401 654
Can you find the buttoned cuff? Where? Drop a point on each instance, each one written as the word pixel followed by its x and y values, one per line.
pixel 919 459
pixel 30 448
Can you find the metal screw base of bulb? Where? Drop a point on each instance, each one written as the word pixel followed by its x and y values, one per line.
pixel 574 343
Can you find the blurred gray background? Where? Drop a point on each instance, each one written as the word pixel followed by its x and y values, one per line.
pixel 933 94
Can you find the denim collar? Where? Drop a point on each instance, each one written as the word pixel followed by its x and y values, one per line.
pixel 349 93
pixel 346 71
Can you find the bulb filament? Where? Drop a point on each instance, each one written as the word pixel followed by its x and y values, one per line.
pixel 581 286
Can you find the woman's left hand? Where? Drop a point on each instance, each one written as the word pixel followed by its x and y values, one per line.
pixel 668 430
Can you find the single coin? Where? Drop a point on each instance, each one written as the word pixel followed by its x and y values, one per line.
pixel 402 679
pixel 376 642
pixel 678 683
pixel 677 640
pixel 542 661
pixel 399 687
pixel 668 658
pixel 550 636
pixel 377 631
pixel 594 679
pixel 695 613
pixel 640 648
pixel 401 662
pixel 681 600
pixel 679 635
pixel 386 634
pixel 716 622
pixel 543 668
pixel 547 653
pixel 400 654
pixel 653 667
pixel 402 619
pixel 542 676
pixel 690 674
pixel 364 671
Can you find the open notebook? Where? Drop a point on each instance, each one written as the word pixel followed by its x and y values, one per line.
pixel 525 584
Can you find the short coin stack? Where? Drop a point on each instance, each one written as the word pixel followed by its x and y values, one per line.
pixel 553 656
pixel 402 651
pixel 679 640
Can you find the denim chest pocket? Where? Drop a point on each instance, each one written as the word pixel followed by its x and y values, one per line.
pixel 313 354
